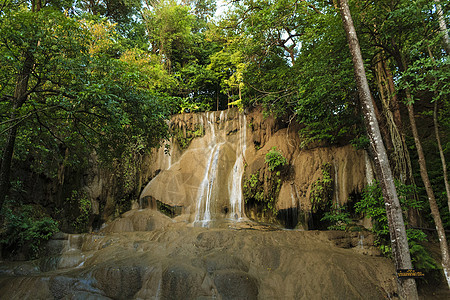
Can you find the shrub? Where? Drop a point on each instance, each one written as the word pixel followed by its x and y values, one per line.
pixel 372 206
pixel 83 210
pixel 25 228
pixel 322 189
pixel 338 217
pixel 275 159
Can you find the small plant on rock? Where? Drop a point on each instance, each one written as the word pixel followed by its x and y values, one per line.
pixel 322 190
pixel 275 159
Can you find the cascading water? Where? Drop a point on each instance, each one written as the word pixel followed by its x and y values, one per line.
pixel 336 184
pixel 202 180
pixel 203 215
pixel 361 241
pixel 235 180
pixel 207 194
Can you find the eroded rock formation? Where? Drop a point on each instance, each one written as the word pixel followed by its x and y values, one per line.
pixel 213 153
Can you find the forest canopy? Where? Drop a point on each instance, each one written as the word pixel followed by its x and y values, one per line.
pixel 103 77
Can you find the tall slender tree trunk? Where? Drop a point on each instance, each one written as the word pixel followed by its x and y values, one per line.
pixel 431 199
pixel 438 139
pixel 400 157
pixel 5 171
pixel 20 96
pixel 441 152
pixel 400 249
pixel 443 26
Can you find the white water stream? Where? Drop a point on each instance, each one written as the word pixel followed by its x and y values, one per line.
pixel 209 190
pixel 206 178
pixel 235 180
pixel 336 184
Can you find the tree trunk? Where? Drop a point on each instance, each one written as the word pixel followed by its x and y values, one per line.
pixel 441 153
pixel 438 138
pixel 400 155
pixel 432 200
pixel 443 26
pixel 399 158
pixel 5 170
pixel 400 250
pixel 20 96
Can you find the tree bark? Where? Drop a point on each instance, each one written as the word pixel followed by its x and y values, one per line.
pixel 20 96
pixel 431 199
pixel 400 249
pixel 443 26
pixel 438 138
pixel 399 158
pixel 441 153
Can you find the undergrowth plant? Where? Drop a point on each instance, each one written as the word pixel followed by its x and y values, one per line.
pixel 322 190
pixel 338 217
pixel 372 206
pixel 253 191
pixel 275 159
pixel 84 206
pixel 25 228
pixel 185 141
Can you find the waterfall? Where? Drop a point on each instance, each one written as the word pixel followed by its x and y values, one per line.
pixel 203 215
pixel 336 184
pixel 204 180
pixel 235 180
pixel 207 185
pixel 361 241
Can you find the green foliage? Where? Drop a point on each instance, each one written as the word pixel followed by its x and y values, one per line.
pixel 255 194
pixel 187 106
pixel 297 64
pixel 322 189
pixel 83 210
pixel 169 26
pixel 25 227
pixel 275 159
pixel 427 75
pixel 338 217
pixel 372 206
pixel 84 95
pixel 421 259
pixel 184 141
pixel 360 142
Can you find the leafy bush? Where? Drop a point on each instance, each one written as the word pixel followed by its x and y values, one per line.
pixel 338 217
pixel 275 159
pixel 187 105
pixel 185 141
pixel 84 207
pixel 254 192
pixel 372 206
pixel 322 189
pixel 25 228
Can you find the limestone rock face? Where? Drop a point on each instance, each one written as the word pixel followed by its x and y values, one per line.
pixel 200 172
pixel 175 261
pixel 213 154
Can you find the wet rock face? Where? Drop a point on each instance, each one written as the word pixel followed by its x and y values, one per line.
pixel 226 150
pixel 180 262
pixel 235 284
pixel 216 262
pixel 61 286
pixel 119 282
pixel 202 177
pixel 182 281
